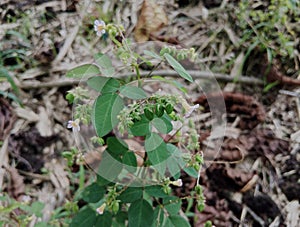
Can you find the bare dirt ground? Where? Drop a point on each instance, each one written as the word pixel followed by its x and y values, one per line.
pixel 254 181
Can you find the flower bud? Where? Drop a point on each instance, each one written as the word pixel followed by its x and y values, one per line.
pixel 100 209
pixel 177 182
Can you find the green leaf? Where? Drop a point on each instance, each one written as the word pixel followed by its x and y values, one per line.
pixel 85 217
pixel 270 86
pixel 153 141
pixel 4 73
pixel 172 204
pixel 129 159
pixel 141 128
pixel 175 162
pixel 176 221
pixel 156 191
pixel 140 214
pixel 109 167
pixel 35 208
pixel 175 83
pixel 120 219
pixel 133 92
pixel 93 193
pixel 103 220
pixel 159 217
pixel 102 181
pixel 152 54
pixel 178 67
pixel 11 96
pixel 162 124
pixel 103 84
pixel 105 64
pixel 131 194
pixel 116 146
pixel 191 171
pixel 105 111
pixel 158 159
pixel 83 71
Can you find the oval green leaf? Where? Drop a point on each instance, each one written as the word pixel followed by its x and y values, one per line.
pixel 83 71
pixel 133 92
pixel 131 194
pixel 178 67
pixel 93 193
pixel 141 128
pixel 85 217
pixel 105 64
pixel 103 84
pixel 153 141
pixel 129 161
pixel 105 111
pixel 140 214
pixel 104 220
pixel 176 221
pixel 162 125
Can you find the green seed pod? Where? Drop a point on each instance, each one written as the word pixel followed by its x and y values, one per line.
pixel 181 56
pixel 159 110
pixel 169 108
pixel 198 190
pixel 199 159
pixel 165 50
pixel 200 206
pixel 196 166
pixel 208 224
pixel 167 189
pixel 115 206
pixel 148 113
pixel 70 97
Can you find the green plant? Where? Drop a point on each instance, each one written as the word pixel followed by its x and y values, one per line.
pixel 270 27
pixel 130 188
pixel 5 76
pixel 17 213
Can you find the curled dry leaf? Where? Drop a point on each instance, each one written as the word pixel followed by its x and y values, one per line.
pixel 16 186
pixel 7 118
pixel 151 19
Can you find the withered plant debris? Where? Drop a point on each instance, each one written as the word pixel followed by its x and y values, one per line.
pixel 246 107
pixel 15 186
pixel 7 118
pixel 263 206
pixel 27 148
pixel 289 183
pixel 151 19
pixel 273 73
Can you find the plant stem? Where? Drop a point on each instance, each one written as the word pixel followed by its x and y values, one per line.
pixel 138 75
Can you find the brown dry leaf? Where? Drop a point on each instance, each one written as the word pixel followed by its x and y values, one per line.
pixel 151 19
pixel 16 186
pixel 7 118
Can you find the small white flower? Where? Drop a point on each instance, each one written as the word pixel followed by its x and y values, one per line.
pixel 191 110
pixel 74 125
pixel 177 182
pixel 99 27
pixel 26 198
pixel 100 209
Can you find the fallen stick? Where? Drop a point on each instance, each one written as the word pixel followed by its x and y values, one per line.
pixel 164 73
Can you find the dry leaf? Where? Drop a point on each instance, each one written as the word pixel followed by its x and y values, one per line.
pixel 151 19
pixel 16 186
